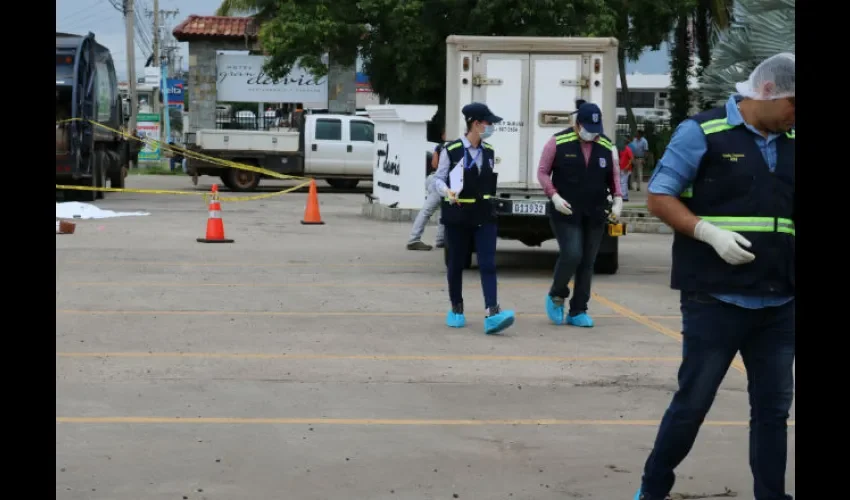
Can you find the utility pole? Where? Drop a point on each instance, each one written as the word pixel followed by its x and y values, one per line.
pixel 156 107
pixel 129 28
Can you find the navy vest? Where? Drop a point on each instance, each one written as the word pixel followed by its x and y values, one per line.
pixel 476 204
pixel 583 185
pixel 735 190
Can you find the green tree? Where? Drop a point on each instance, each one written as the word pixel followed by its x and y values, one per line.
pixel 402 42
pixel 639 24
pixel 760 29
pixel 680 71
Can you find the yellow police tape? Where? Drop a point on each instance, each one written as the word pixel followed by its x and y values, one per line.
pixel 191 193
pixel 189 154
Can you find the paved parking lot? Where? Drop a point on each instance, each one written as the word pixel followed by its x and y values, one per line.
pixel 312 363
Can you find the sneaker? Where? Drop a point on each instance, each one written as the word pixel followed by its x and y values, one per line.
pixel 581 319
pixel 418 245
pixel 497 320
pixel 641 496
pixel 455 317
pixel 440 244
pixel 555 309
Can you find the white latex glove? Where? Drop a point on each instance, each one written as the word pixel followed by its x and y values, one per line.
pixel 561 204
pixel 617 207
pixel 727 244
pixel 452 196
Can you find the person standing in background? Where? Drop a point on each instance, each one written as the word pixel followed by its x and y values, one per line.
pixel 626 157
pixel 639 148
pixel 432 203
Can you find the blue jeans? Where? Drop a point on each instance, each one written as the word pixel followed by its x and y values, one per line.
pixel 578 243
pixel 459 238
pixel 713 332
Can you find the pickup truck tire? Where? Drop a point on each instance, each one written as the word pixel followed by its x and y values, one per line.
pixel 242 180
pixel 342 183
pixel 606 263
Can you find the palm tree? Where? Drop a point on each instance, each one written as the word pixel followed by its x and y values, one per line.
pixel 255 8
pixel 761 28
pixel 694 33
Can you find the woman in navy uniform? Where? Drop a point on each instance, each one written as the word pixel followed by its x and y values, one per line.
pixel 468 214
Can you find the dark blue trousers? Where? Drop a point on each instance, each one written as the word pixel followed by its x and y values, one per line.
pixel 713 332
pixel 459 238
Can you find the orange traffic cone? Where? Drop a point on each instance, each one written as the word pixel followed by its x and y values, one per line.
pixel 215 226
pixel 311 212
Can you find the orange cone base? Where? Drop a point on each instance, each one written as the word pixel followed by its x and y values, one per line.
pixel 307 223
pixel 205 240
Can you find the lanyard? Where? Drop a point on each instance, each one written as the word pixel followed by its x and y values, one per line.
pixel 471 159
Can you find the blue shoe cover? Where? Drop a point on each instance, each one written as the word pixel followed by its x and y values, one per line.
pixel 498 322
pixel 555 312
pixel 455 320
pixel 637 495
pixel 581 319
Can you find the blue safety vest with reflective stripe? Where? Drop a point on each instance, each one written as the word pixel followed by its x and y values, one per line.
pixel 735 190
pixel 479 187
pixel 583 184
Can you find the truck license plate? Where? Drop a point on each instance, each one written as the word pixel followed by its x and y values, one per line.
pixel 529 207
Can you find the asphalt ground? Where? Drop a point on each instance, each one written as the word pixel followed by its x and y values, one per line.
pixel 312 362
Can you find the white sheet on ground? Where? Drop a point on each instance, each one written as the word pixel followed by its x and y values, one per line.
pixel 77 210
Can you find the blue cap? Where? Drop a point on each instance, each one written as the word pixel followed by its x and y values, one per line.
pixel 590 117
pixel 479 112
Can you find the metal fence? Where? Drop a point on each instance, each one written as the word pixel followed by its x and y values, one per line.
pixel 248 120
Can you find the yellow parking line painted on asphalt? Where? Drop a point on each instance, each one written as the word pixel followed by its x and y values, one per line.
pixel 254 264
pixel 262 265
pixel 646 321
pixel 371 357
pixel 280 313
pixel 310 314
pixel 440 284
pixel 381 421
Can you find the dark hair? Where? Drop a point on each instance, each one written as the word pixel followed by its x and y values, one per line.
pixel 639 133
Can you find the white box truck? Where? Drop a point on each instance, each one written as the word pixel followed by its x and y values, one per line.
pixel 533 84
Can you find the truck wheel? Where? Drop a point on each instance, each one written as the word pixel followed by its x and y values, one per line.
pixel 117 178
pixel 606 263
pixel 342 183
pixel 95 179
pixel 226 181
pixel 242 180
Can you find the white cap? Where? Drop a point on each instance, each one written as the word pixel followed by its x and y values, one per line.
pixel 774 78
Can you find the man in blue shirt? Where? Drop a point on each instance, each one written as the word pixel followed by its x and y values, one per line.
pixel 639 148
pixel 726 185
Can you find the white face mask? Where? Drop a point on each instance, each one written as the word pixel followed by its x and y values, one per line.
pixel 488 131
pixel 587 136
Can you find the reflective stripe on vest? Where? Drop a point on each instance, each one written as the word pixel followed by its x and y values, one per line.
pixel 459 144
pixel 720 125
pixel 753 224
pixel 572 136
pixel 467 200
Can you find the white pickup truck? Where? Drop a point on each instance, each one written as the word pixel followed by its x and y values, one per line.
pixel 533 84
pixel 338 148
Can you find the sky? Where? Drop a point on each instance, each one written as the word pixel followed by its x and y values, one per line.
pixel 107 23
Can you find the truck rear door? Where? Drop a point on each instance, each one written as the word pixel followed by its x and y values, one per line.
pixel 501 81
pixel 535 95
pixel 555 84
